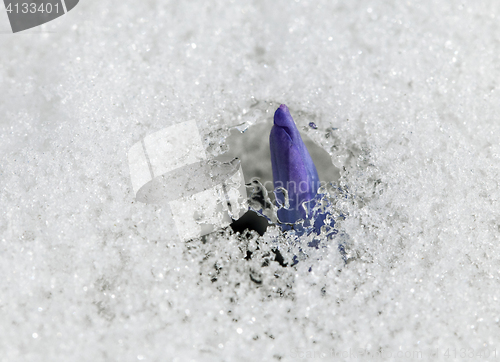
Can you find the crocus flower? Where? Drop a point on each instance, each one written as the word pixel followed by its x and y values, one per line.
pixel 293 169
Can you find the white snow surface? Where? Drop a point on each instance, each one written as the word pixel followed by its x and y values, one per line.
pixel 405 95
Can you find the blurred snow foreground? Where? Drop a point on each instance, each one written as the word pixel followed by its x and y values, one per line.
pixel 404 99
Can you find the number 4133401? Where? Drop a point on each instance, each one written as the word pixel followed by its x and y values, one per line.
pixel 469 353
pixel 33 8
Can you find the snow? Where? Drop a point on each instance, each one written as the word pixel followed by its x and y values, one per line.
pixel 405 99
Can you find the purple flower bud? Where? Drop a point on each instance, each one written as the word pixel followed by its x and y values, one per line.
pixel 293 168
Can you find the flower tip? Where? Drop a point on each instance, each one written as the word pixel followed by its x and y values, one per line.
pixel 282 116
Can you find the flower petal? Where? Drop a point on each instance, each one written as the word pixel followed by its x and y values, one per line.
pixel 293 168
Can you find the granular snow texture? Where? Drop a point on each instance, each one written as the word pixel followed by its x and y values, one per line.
pixel 405 96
